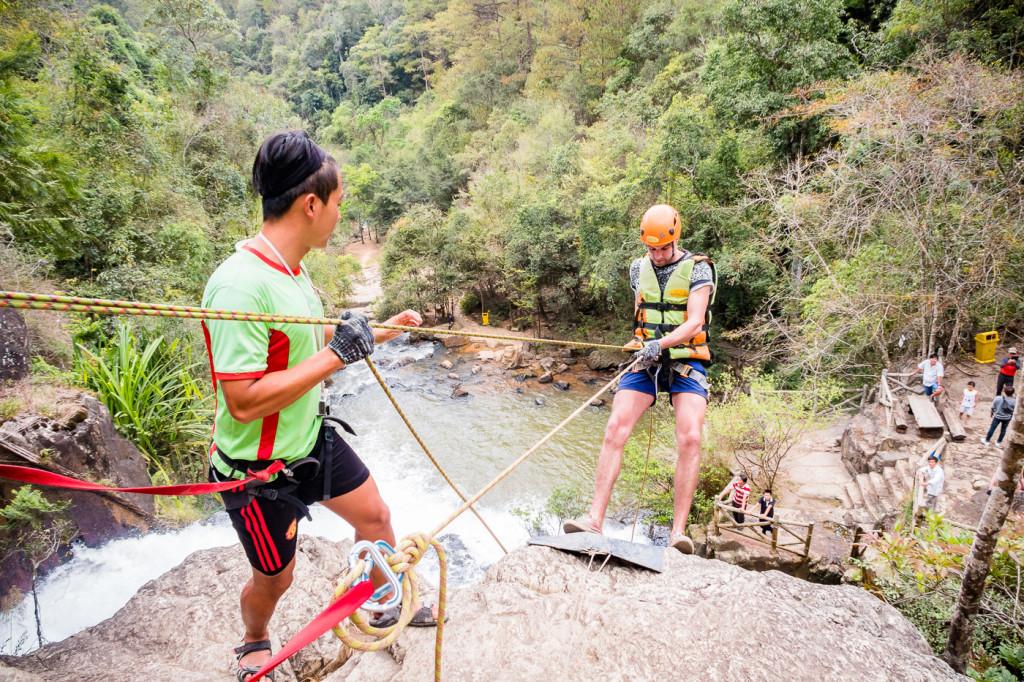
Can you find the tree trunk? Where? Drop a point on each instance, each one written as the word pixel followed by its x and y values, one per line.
pixel 961 627
pixel 935 317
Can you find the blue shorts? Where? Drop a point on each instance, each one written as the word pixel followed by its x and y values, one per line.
pixel 644 382
pixel 928 390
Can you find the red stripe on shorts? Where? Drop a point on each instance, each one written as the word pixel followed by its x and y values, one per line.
pixel 266 533
pixel 250 524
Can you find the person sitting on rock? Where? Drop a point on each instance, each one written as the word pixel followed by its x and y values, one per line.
pixel 931 374
pixel 268 376
pixel 674 289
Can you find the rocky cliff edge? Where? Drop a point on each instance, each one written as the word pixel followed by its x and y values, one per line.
pixel 537 614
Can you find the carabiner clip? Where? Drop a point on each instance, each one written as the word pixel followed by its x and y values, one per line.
pixel 376 557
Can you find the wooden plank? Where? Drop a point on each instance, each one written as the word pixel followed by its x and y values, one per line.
pixel 928 419
pixel 956 429
pixel 899 415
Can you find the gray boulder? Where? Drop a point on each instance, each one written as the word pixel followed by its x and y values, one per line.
pixel 183 625
pixel 541 614
pixel 604 358
pixel 546 378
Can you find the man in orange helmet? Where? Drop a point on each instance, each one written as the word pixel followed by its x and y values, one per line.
pixel 674 289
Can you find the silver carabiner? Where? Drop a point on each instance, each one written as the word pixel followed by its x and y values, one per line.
pixel 376 557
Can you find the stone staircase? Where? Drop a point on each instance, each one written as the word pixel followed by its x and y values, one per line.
pixel 968 467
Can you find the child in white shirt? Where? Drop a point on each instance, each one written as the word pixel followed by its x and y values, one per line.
pixel 968 402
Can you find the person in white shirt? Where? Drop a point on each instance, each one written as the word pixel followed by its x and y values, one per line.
pixel 932 479
pixel 932 373
pixel 968 402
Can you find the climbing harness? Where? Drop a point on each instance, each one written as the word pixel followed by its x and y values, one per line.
pixel 355 589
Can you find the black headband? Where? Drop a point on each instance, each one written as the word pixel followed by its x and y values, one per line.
pixel 293 158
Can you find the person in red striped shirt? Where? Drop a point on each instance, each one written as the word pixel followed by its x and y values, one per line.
pixel 740 495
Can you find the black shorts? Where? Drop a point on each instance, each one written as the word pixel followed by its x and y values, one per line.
pixel 269 529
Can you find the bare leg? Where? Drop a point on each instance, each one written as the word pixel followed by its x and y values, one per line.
pixel 627 408
pixel 259 598
pixel 368 514
pixel 366 511
pixel 690 409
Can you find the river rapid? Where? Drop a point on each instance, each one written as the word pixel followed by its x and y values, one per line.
pixel 473 437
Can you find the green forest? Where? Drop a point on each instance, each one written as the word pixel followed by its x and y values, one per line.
pixel 853 167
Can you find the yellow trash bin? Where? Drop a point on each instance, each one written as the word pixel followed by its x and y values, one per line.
pixel 485 316
pixel 985 346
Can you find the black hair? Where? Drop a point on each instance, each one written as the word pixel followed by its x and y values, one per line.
pixel 933 458
pixel 767 490
pixel 743 477
pixel 1008 390
pixel 289 165
pixel 934 355
pixel 970 383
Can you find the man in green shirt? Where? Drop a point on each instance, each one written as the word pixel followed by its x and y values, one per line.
pixel 268 383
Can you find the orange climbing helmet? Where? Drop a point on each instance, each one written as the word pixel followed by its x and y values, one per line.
pixel 660 225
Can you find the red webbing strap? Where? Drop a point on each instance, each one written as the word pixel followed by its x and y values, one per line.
pixel 41 477
pixel 338 611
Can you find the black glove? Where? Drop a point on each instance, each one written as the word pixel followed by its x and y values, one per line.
pixel 353 338
pixel 649 355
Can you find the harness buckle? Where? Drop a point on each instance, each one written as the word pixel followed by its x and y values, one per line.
pixel 375 556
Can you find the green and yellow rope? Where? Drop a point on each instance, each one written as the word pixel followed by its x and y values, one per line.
pixel 101 306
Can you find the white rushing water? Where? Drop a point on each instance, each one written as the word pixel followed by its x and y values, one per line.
pixel 474 439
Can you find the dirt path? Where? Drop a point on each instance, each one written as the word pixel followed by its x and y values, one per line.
pixel 367 288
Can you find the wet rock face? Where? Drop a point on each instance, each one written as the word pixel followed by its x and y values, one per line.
pixel 14 351
pixel 624 623
pixel 79 436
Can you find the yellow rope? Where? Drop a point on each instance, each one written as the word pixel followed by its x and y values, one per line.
pixel 433 460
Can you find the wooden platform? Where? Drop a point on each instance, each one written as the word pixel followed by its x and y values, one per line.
pixel 929 423
pixel 952 417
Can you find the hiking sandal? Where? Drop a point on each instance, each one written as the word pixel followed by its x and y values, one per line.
pixel 244 672
pixel 423 618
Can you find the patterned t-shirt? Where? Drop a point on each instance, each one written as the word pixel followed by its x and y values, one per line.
pixel 249 281
pixel 700 277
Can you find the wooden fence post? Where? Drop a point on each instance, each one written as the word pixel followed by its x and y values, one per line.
pixel 807 544
pixel 775 535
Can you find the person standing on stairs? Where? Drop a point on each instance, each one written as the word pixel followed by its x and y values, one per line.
pixel 931 374
pixel 967 403
pixel 932 480
pixel 1008 367
pixel 1001 412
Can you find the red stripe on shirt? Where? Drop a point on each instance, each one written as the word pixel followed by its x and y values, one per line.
pixel 232 376
pixel 277 360
pixel 274 264
pixel 266 534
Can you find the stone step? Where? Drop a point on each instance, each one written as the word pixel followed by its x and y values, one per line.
pixel 906 473
pixel 844 497
pixel 885 496
pixel 853 492
pixel 867 492
pixel 895 483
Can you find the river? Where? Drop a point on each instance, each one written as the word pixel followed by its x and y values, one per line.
pixel 473 437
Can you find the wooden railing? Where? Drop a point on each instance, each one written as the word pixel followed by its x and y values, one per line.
pixel 798 542
pixel 855 403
